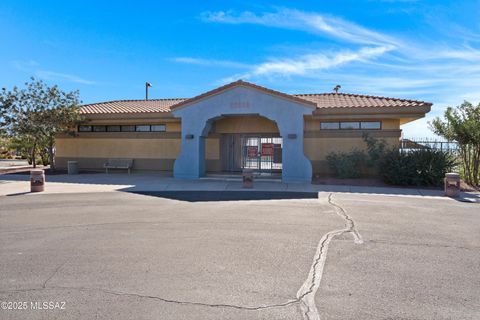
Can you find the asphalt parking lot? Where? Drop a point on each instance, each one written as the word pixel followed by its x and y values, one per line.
pixel 119 255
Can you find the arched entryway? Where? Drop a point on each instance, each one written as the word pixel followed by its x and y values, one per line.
pixel 199 116
pixel 238 142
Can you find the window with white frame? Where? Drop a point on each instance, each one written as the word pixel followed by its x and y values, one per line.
pixel 351 125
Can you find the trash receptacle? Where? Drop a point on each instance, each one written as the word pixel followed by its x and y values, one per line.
pixel 37 180
pixel 247 178
pixel 72 167
pixel 452 184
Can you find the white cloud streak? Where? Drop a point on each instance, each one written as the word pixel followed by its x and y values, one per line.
pixel 374 63
pixel 52 75
pixel 314 62
pixel 33 67
pixel 333 27
pixel 210 62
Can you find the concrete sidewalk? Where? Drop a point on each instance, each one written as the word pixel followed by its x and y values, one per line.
pixel 14 184
pixel 12 166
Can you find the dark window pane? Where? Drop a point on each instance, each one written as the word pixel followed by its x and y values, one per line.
pixel 349 125
pixel 113 128
pixel 158 127
pixel 99 128
pixel 329 125
pixel 128 128
pixel 84 128
pixel 371 125
pixel 143 128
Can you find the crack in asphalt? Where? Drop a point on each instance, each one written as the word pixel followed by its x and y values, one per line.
pixel 306 293
pixel 181 302
pixel 44 285
pixel 193 303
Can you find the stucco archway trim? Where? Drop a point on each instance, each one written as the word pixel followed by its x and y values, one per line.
pixel 237 83
pixel 243 100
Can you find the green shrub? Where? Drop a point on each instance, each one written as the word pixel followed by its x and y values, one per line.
pixel 425 167
pixel 376 149
pixel 396 168
pixel 346 165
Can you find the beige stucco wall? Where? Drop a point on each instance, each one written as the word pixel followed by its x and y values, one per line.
pixel 150 150
pixel 212 148
pixel 118 148
pixel 318 148
pixel 245 124
pixel 319 143
pixel 91 153
pixel 158 150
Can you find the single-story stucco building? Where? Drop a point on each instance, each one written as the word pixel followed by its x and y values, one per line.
pixel 237 126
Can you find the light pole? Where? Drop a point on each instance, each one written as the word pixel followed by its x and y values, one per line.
pixel 147 84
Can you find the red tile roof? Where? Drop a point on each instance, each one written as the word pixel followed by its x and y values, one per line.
pixel 320 100
pixel 348 100
pixel 130 106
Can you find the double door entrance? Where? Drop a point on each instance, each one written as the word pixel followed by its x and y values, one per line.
pixel 262 153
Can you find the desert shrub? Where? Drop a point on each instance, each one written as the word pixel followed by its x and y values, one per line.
pixel 424 167
pixel 346 164
pixel 376 149
pixel 396 168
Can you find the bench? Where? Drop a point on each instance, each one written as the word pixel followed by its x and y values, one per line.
pixel 118 164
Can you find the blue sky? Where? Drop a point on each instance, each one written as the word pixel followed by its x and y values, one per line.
pixel 426 50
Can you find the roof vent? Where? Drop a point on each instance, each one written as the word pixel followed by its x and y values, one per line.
pixel 147 85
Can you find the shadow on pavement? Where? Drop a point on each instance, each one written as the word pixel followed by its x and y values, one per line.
pixel 202 196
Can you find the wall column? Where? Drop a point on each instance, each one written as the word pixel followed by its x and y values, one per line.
pixel 295 165
pixel 190 163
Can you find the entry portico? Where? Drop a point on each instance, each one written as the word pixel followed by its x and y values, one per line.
pixel 241 98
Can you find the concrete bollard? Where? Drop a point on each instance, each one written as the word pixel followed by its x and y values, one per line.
pixel 37 180
pixel 247 178
pixel 452 184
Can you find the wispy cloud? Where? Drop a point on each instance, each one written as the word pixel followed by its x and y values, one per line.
pixel 210 62
pixel 371 62
pixel 301 65
pixel 333 27
pixel 52 75
pixel 33 67
pixel 466 53
pixel 373 44
pixel 24 65
pixel 409 65
pixel 314 62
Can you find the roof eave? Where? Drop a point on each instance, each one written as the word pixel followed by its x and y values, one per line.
pixel 423 109
pixel 241 83
pixel 128 115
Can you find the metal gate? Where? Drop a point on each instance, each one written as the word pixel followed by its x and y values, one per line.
pixel 231 153
pixel 262 153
